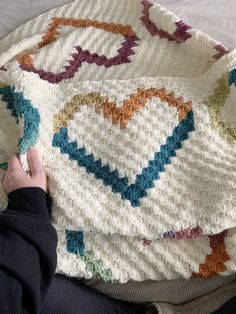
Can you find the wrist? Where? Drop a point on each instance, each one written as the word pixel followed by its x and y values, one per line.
pixel 31 200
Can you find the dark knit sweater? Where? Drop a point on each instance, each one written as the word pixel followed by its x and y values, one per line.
pixel 27 251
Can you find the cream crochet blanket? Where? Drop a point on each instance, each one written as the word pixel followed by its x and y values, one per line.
pixel 133 114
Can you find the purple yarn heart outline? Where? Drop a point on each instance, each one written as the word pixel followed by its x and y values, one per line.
pixel 81 56
pixel 180 35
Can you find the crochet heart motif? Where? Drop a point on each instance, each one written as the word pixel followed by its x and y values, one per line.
pixel 122 115
pixel 27 63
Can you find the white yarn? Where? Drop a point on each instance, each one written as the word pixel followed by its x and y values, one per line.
pixel 197 188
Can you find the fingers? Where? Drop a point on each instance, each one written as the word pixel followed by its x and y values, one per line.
pixel 34 163
pixel 14 163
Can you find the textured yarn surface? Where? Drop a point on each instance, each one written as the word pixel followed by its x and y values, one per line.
pixel 133 114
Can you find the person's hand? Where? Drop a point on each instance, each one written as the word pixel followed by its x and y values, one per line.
pixel 17 178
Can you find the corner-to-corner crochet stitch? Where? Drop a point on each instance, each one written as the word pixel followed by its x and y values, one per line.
pixel 133 114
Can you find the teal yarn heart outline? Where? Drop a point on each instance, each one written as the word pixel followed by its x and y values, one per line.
pixel 21 107
pixel 144 181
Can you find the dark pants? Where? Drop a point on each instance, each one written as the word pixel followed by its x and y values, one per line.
pixel 71 296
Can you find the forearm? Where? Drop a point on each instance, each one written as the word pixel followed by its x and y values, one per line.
pixel 27 251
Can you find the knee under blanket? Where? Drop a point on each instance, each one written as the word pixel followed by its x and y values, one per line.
pixel 133 114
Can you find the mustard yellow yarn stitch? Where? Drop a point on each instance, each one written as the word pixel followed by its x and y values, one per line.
pixel 214 104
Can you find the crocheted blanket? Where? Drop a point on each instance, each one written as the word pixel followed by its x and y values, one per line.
pixel 133 114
